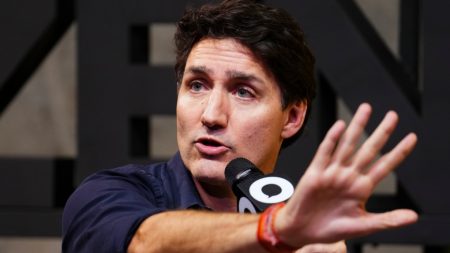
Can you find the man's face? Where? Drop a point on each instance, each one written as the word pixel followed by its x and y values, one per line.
pixel 228 106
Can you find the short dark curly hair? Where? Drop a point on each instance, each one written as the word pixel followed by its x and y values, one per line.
pixel 270 33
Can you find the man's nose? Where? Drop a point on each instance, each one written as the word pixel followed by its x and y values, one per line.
pixel 215 114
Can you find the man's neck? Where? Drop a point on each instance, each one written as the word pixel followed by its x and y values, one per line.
pixel 217 197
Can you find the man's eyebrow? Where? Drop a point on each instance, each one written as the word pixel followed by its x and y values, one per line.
pixel 198 70
pixel 231 74
pixel 243 76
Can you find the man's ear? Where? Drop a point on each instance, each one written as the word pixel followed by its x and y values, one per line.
pixel 295 117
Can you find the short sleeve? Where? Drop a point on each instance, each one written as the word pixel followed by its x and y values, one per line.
pixel 104 212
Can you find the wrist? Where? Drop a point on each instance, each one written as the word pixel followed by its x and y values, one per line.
pixel 267 232
pixel 286 231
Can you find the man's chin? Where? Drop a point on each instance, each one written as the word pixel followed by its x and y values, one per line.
pixel 213 181
pixel 214 186
pixel 209 171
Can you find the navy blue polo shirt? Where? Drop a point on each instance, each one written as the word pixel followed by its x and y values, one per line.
pixel 104 212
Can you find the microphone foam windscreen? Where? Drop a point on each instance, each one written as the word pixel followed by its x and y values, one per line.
pixel 237 166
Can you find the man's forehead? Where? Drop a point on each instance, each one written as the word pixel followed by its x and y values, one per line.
pixel 225 43
pixel 227 50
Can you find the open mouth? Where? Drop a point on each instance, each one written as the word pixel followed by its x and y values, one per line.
pixel 210 147
pixel 211 143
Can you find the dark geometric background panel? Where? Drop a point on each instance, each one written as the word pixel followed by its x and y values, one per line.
pixel 33 190
pixel 359 67
pixel 115 81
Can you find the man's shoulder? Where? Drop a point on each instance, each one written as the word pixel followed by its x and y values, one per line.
pixel 133 171
pixel 151 169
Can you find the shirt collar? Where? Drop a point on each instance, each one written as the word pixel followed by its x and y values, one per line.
pixel 189 197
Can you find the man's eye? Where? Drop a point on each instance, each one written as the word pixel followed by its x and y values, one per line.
pixel 196 86
pixel 243 92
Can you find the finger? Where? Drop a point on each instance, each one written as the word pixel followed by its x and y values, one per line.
pixel 338 247
pixel 372 146
pixel 388 220
pixel 392 159
pixel 349 140
pixel 327 146
pixel 374 222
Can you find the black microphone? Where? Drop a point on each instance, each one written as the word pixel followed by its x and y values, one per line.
pixel 254 190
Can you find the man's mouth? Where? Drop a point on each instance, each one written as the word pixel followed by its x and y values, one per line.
pixel 210 147
pixel 209 142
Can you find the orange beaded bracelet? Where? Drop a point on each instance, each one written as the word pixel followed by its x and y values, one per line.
pixel 266 233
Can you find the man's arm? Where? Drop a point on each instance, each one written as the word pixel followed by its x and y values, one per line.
pixel 196 231
pixel 202 231
pixel 328 204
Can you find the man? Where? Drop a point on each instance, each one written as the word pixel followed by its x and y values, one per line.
pixel 245 85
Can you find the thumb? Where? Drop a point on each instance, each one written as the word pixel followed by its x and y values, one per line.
pixel 392 219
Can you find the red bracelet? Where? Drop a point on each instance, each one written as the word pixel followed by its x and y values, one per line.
pixel 266 233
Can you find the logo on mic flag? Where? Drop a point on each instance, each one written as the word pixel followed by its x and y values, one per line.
pixel 272 184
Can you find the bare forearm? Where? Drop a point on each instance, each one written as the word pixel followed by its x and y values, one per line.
pixel 196 231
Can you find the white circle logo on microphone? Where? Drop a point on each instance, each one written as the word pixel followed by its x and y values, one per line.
pixel 256 190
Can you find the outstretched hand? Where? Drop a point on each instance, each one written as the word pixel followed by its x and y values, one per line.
pixel 329 202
